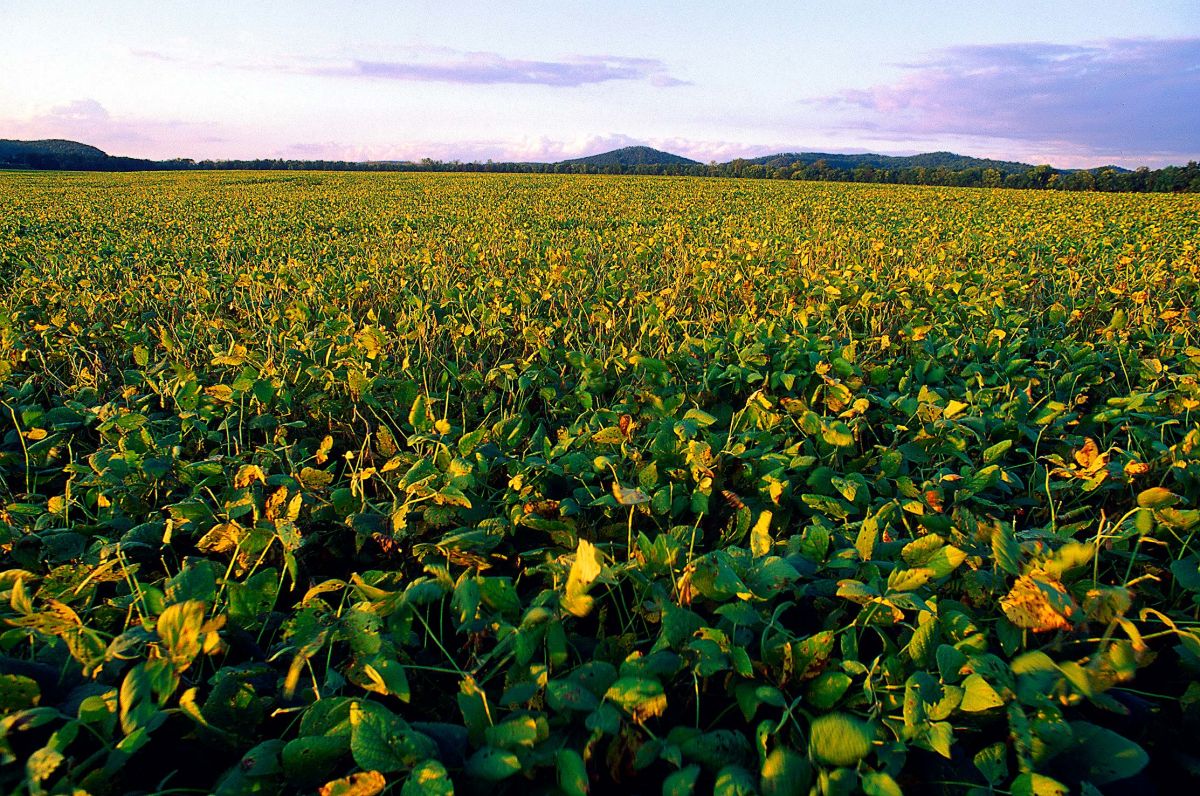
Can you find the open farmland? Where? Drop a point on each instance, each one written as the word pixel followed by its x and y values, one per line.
pixel 504 483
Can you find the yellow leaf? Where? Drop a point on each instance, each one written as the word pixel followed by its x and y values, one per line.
pixel 222 393
pixel 248 474
pixel 585 569
pixel 954 408
pixel 629 497
pixel 364 783
pixel 323 451
pixel 760 535
pixel 221 538
pixel 1089 456
pixel 1038 605
pixel 1136 468
pixel 313 478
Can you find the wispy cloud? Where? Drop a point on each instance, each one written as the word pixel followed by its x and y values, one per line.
pixel 1135 96
pixel 442 65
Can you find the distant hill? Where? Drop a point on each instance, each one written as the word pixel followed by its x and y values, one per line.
pixel 929 160
pixel 632 156
pixel 56 153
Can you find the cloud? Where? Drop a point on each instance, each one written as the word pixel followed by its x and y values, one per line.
pixel 539 149
pixel 441 65
pixel 1112 97
pixel 90 122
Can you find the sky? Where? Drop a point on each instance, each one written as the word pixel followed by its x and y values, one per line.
pixel 1073 84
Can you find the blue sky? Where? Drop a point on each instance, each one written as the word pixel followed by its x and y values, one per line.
pixel 1069 83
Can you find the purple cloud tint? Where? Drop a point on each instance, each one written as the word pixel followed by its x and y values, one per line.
pixel 89 121
pixel 449 66
pixel 543 149
pixel 1109 96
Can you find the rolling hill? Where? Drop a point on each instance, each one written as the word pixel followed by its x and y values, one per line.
pixel 60 154
pixel 930 160
pixel 632 156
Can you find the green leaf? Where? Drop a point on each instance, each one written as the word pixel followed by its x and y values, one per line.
pixel 453 496
pixel 979 695
pixel 1030 784
pixel 382 741
pixel 493 765
pixel 308 761
pixel 785 773
pixel 387 676
pixel 420 472
pixel 18 692
pixel 642 697
pixel 909 579
pixel 1005 549
pixel 837 434
pixel 1103 756
pixel 610 435
pixel 992 762
pixel 568 695
pixel 513 733
pixel 750 696
pixel 429 778
pixel 940 737
pixel 419 416
pixel 923 638
pixel 868 536
pixel 1186 572
pixel 682 782
pixel 136 700
pixel 717 748
pixel 473 704
pixel 856 591
pixel 993 453
pixel 839 739
pixel 179 628
pixel 1157 498
pixel 825 691
pixel 468 442
pixel 879 783
pixel 945 560
pixel 572 773
pixel 917 552
pixel 648 477
pixel 734 781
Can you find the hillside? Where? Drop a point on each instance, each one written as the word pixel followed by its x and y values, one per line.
pixel 929 160
pixel 632 156
pixel 60 154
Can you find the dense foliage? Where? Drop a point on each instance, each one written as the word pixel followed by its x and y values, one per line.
pixel 519 483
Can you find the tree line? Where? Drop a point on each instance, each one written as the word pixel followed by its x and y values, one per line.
pixel 1169 179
